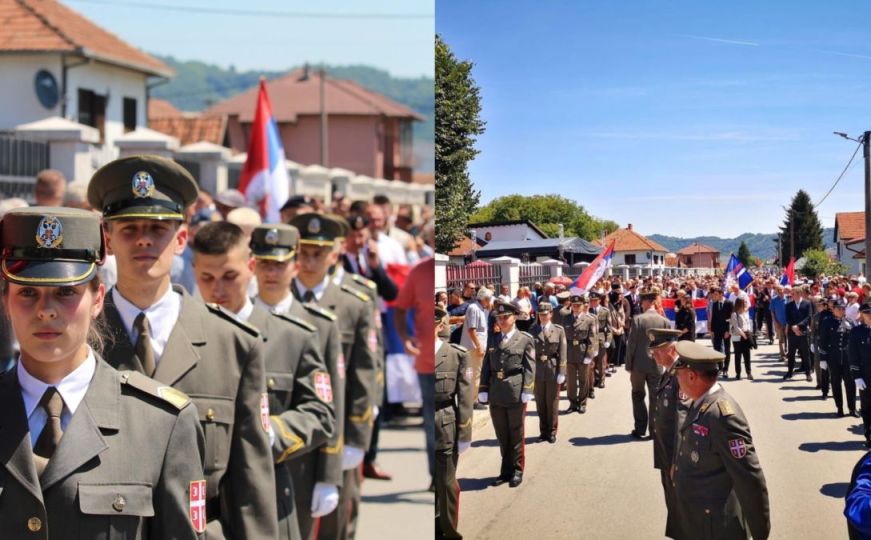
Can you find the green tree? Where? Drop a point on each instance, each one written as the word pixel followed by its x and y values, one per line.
pixel 817 262
pixel 457 124
pixel 546 211
pixel 807 232
pixel 744 255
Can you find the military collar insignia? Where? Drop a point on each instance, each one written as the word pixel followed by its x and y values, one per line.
pixel 314 226
pixel 143 185
pixel 49 232
pixel 271 237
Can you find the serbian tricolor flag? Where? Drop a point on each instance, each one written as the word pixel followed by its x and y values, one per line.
pixel 593 272
pixel 736 271
pixel 264 179
pixel 788 276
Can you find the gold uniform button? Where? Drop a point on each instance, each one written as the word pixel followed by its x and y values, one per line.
pixel 210 414
pixel 34 524
pixel 119 503
pixel 287 492
pixel 270 383
pixel 707 510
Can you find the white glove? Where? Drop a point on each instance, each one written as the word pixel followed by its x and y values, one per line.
pixel 325 499
pixel 375 411
pixel 352 457
pixel 824 364
pixel 560 378
pixel 607 344
pixel 462 446
pixel 525 398
pixel 588 360
pixel 812 348
pixel 483 397
pixel 860 384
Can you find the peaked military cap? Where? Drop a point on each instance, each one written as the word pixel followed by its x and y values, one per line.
pixel 839 303
pixel 274 242
pixel 696 355
pixel 504 308
pixel 51 246
pixel 650 294
pixel 145 186
pixel 563 296
pixel 659 337
pixel 440 314
pixel 358 222
pixel 865 308
pixel 579 299
pixel 594 296
pixel 545 307
pixel 317 229
pixel 343 223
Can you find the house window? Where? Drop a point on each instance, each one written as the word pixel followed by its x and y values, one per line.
pixel 629 258
pixel 129 114
pixel 92 110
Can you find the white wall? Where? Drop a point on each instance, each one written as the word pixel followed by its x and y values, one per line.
pixel 640 258
pixel 506 232
pixel 845 256
pixel 18 91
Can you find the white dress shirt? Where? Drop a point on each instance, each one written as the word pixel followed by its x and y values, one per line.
pixel 245 313
pixel 282 307
pixel 708 393
pixel 318 289
pixel 161 315
pixel 72 389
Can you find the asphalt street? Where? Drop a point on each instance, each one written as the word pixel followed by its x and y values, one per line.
pixel 598 482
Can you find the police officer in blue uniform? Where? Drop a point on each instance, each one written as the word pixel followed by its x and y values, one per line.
pixel 860 365
pixel 834 339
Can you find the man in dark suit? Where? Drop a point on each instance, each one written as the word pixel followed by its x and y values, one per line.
pixel 798 315
pixel 361 258
pixel 721 310
pixel 642 368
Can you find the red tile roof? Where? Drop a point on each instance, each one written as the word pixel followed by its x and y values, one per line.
pixel 850 225
pixel 695 248
pixel 161 108
pixel 191 129
pixel 291 97
pixel 629 240
pixel 47 25
pixel 464 247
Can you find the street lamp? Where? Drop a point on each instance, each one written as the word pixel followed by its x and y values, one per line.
pixel 865 141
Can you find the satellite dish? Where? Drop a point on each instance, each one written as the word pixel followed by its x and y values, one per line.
pixel 46 89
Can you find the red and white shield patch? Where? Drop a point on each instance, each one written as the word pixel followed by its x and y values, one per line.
pixel 738 448
pixel 323 387
pixel 340 365
pixel 264 413
pixel 198 505
pixel 373 340
pixel 682 396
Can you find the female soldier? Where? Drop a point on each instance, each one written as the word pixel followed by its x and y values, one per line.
pixel 88 452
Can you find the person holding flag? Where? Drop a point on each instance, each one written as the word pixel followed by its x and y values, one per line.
pixel 264 180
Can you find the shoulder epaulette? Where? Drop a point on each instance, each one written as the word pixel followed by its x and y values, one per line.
pixel 561 327
pixel 351 290
pixel 725 407
pixel 527 334
pixel 176 398
pixel 318 310
pixel 364 281
pixel 225 314
pixel 297 321
pixel 459 348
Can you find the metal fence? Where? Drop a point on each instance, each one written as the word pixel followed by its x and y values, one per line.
pixel 459 275
pixel 20 161
pixel 530 273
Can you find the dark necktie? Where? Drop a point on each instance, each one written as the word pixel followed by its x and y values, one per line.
pixel 48 440
pixel 143 344
pixel 309 296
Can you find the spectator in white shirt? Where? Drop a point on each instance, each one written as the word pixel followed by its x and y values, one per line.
pixel 474 335
pixel 852 312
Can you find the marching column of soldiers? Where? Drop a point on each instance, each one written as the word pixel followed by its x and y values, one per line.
pixel 232 417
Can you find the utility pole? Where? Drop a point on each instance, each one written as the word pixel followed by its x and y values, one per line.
pixel 324 141
pixel 866 144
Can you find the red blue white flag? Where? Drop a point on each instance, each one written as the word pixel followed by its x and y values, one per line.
pixel 264 180
pixel 593 272
pixel 788 276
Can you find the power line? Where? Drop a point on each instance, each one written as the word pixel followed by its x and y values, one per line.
pixel 256 13
pixel 847 166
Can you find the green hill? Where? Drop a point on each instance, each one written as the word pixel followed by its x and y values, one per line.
pixel 763 246
pixel 196 85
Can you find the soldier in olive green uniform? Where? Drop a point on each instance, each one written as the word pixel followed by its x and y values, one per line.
pixel 507 382
pixel 317 476
pixel 719 485
pixel 201 350
pixel 550 350
pixel 300 395
pixel 102 451
pixel 668 409
pixel 581 331
pixel 605 335
pixel 453 424
pixel 317 255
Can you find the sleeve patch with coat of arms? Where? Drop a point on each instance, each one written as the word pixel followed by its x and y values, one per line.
pixel 323 386
pixel 264 413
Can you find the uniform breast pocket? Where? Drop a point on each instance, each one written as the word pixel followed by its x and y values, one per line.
pixel 114 511
pixel 280 387
pixel 445 429
pixel 216 417
pixel 445 383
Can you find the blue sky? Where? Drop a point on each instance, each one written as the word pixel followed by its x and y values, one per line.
pixel 683 118
pixel 402 46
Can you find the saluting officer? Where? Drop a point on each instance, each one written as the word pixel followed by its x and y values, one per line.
pixel 605 336
pixel 718 481
pixel 550 350
pixel 581 331
pixel 317 476
pixel 300 395
pixel 507 381
pixel 453 423
pixel 834 341
pixel 669 407
pixel 821 314
pixel 201 350
pixel 317 254
pixel 85 449
pixel 860 365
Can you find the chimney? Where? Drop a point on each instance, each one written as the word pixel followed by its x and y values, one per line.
pixel 629 226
